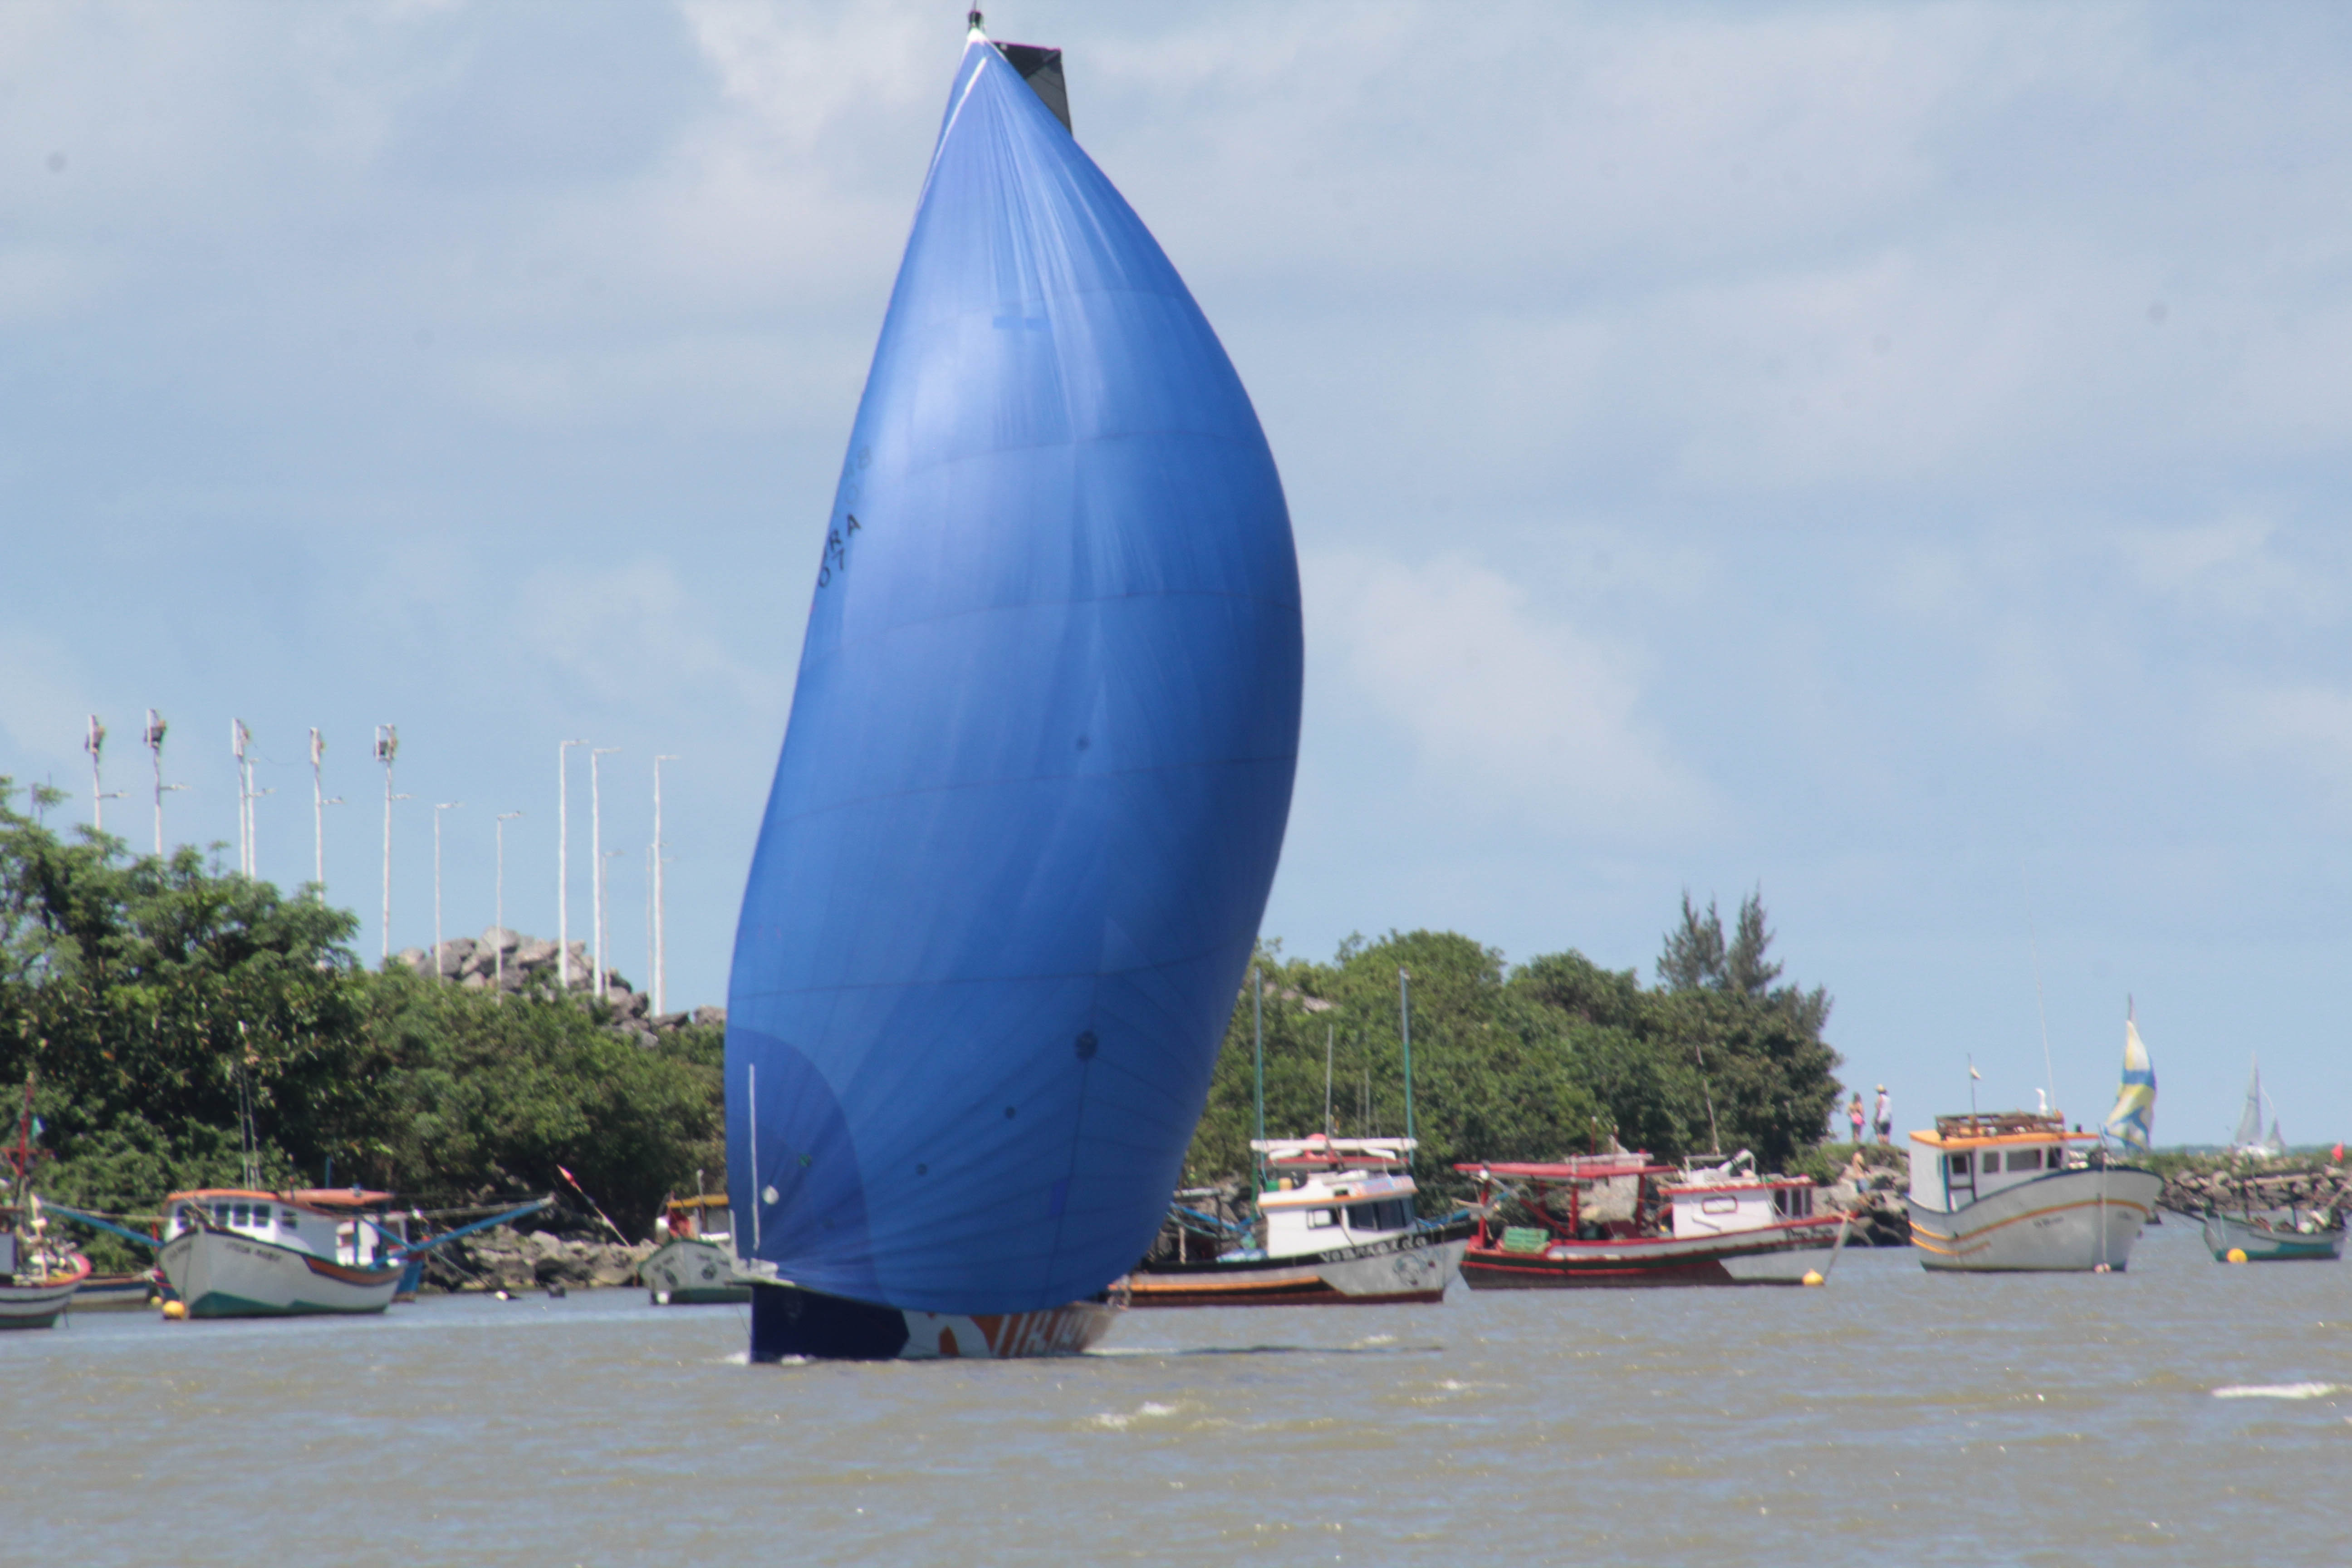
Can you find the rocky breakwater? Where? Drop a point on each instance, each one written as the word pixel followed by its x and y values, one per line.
pixel 1870 1186
pixel 503 1258
pixel 505 961
pixel 2265 1188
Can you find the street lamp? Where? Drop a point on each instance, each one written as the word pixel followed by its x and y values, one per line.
pixel 661 952
pixel 318 803
pixel 606 858
pixel 387 747
pixel 437 810
pixel 596 847
pixel 94 743
pixel 564 867
pixel 155 739
pixel 499 963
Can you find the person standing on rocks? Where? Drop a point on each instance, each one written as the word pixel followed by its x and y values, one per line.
pixel 1885 1118
pixel 1853 1114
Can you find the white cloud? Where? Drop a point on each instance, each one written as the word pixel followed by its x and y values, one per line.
pixel 1510 716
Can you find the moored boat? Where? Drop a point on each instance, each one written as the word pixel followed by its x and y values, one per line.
pixel 2005 1192
pixel 118 1292
pixel 2293 1236
pixel 232 1252
pixel 694 1265
pixel 1633 1221
pixel 38 1280
pixel 1338 1229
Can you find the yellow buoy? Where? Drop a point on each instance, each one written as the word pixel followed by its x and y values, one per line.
pixel 175 1310
pixel 1813 1276
pixel 2237 1255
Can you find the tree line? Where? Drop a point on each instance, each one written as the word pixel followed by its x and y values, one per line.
pixel 177 1017
pixel 1553 1056
pixel 177 1021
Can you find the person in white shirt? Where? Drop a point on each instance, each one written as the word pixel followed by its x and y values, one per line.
pixel 1884 1117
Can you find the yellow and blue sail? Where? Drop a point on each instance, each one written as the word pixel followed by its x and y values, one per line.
pixel 1039 762
pixel 2133 1119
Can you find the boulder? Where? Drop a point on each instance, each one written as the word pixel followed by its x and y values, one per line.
pixel 531 952
pixel 498 939
pixel 417 958
pixel 664 1022
pixel 711 1018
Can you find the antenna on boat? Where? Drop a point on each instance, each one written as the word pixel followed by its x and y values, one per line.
pixel 2040 1011
pixel 1257 1047
pixel 1404 1030
pixel 1973 1077
pixel 1330 1044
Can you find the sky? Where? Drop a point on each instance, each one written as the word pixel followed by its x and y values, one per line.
pixel 1888 457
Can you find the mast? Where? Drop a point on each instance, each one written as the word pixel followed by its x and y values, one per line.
pixel 1404 1029
pixel 1257 1049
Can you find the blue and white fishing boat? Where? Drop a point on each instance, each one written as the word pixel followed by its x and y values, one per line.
pixel 1035 779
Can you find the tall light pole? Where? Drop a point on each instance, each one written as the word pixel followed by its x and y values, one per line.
pixel 597 848
pixel 154 736
pixel 237 737
pixel 499 961
pixel 318 803
pixel 387 747
pixel 564 867
pixel 602 862
pixel 94 743
pixel 437 810
pixel 661 952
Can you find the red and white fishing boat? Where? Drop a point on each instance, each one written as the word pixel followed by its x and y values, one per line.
pixel 38 1277
pixel 1339 1229
pixel 1630 1220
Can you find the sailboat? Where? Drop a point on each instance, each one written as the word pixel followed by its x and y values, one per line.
pixel 2248 1141
pixel 1034 781
pixel 2132 1122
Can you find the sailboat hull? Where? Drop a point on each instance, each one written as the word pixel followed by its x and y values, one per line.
pixel 791 1323
pixel 2071 1221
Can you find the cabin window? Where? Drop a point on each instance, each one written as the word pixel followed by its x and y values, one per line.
pixel 1960 1164
pixel 1794 1203
pixel 2025 1160
pixel 288 1218
pixel 1718 1205
pixel 1389 1214
pixel 1321 1219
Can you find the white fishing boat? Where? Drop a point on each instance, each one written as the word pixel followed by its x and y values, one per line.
pixel 1339 1229
pixel 2017 1191
pixel 231 1252
pixel 694 1265
pixel 2291 1234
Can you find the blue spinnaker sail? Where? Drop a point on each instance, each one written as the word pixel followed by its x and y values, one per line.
pixel 2133 1119
pixel 1039 760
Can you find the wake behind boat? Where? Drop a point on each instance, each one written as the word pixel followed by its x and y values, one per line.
pixel 1339 1229
pixel 1630 1220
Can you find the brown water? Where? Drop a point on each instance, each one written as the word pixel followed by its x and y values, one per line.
pixel 1891 1416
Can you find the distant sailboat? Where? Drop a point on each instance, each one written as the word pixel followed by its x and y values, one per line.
pixel 2133 1119
pixel 1034 782
pixel 2249 1140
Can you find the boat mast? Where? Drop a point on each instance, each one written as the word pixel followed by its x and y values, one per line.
pixel 1330 1043
pixel 1404 1031
pixel 1257 1046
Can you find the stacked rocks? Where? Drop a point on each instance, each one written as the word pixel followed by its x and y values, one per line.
pixel 507 960
pixel 2277 1184
pixel 502 1258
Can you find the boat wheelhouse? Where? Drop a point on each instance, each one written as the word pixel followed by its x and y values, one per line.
pixel 1625 1219
pixel 235 1252
pixel 1340 1227
pixel 2017 1191
pixel 694 1265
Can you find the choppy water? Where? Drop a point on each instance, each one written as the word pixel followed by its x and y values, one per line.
pixel 2183 1413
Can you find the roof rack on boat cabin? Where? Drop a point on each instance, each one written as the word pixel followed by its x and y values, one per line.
pixel 2004 1124
pixel 1318 1152
pixel 1576 1168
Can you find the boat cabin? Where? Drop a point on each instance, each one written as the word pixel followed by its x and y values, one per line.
pixel 1333 1192
pixel 702 1218
pixel 1722 1199
pixel 1967 1158
pixel 341 1224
